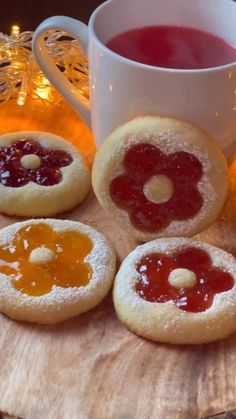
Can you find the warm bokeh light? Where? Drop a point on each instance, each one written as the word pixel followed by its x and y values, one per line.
pixel 43 90
pixel 15 30
pixel 34 104
pixel 21 98
pixel 40 115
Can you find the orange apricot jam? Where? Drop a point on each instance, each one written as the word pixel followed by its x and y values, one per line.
pixel 37 258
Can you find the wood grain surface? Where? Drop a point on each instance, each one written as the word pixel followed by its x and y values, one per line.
pixel 92 367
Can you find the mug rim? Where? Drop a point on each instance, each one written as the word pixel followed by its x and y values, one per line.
pixel 143 66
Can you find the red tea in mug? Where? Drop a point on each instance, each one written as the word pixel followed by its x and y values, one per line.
pixel 173 47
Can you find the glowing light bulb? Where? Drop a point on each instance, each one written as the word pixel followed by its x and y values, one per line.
pixel 45 81
pixel 15 30
pixel 43 90
pixel 21 98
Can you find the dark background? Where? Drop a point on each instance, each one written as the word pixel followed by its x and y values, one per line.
pixel 29 13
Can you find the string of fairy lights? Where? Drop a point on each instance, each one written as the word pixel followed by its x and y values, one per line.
pixel 20 76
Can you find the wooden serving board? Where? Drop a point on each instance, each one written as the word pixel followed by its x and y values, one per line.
pixel 92 367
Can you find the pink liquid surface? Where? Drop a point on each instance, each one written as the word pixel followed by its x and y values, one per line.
pixel 173 47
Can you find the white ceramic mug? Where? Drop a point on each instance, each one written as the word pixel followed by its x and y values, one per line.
pixel 121 89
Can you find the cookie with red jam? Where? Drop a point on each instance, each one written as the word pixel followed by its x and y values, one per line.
pixel 41 174
pixel 160 177
pixel 177 290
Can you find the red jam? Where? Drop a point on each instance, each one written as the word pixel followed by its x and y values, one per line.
pixel 141 163
pixel 153 285
pixel 13 174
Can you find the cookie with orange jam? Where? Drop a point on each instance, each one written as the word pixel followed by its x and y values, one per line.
pixel 51 270
pixel 160 177
pixel 41 174
pixel 177 290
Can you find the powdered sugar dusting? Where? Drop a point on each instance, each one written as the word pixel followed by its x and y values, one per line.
pixel 182 137
pixel 101 259
pixel 37 200
pixel 165 321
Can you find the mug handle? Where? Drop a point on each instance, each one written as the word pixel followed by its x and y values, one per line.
pixel 79 31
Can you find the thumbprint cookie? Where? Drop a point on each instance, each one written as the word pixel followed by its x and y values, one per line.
pixel 160 177
pixel 41 175
pixel 177 290
pixel 51 270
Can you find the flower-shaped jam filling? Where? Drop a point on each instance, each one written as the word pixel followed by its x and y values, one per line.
pixel 187 277
pixel 26 160
pixel 37 258
pixel 157 189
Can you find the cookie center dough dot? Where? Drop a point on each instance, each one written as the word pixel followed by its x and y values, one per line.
pixel 182 278
pixel 158 189
pixel 30 161
pixel 41 256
